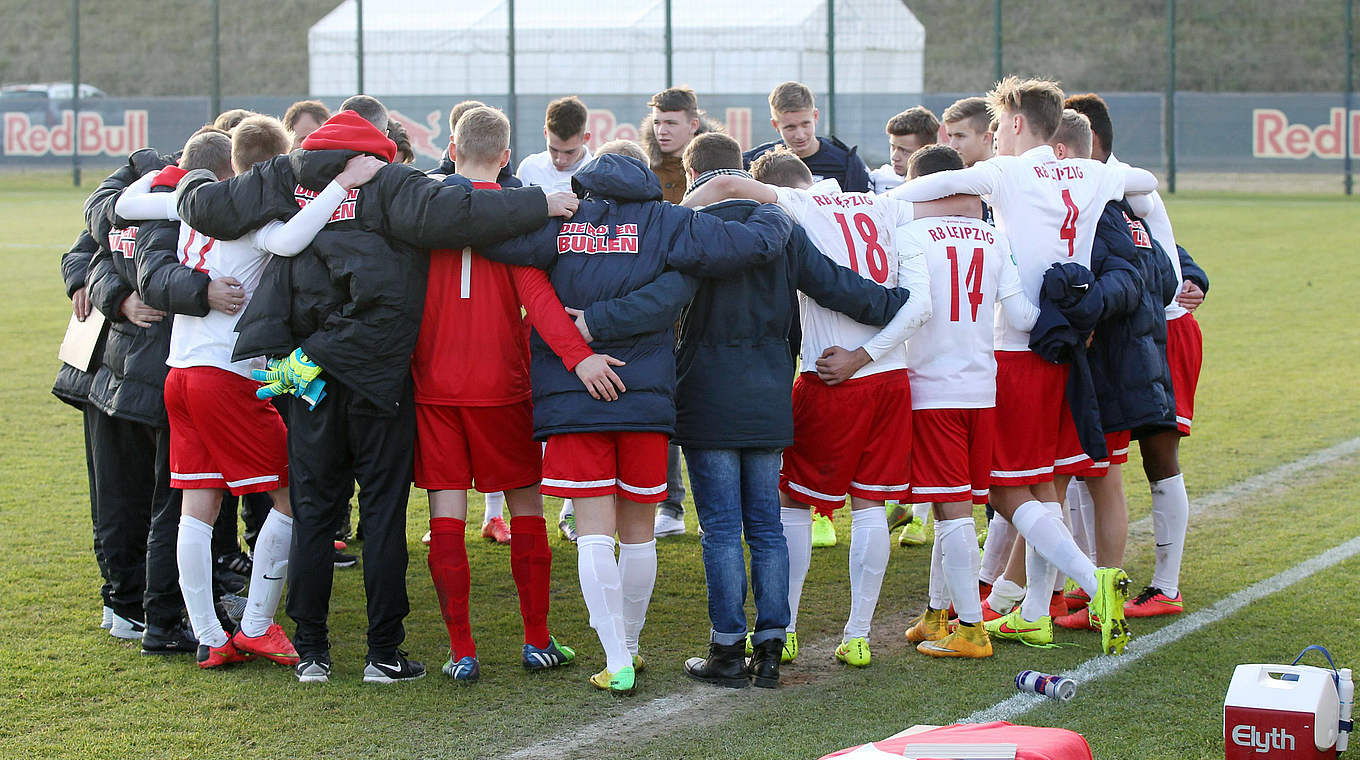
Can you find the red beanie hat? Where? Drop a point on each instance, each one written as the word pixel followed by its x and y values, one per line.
pixel 348 130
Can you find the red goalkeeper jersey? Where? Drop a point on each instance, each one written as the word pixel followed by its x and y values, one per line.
pixel 473 348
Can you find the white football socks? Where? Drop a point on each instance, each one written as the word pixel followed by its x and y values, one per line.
pixel 798 535
pixel 267 576
pixel 1006 593
pixel 1039 575
pixel 1170 516
pixel 996 550
pixel 1081 516
pixel 868 563
pixel 1042 527
pixel 495 506
pixel 959 562
pixel 193 554
pixel 602 589
pixel 637 573
pixel 939 589
pixel 568 509
pixel 919 512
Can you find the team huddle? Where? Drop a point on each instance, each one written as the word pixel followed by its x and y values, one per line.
pixel 293 309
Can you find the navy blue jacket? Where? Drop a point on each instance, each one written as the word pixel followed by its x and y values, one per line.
pixel 734 362
pixel 447 168
pixel 1192 271
pixel 622 238
pixel 1070 304
pixel 1128 356
pixel 834 160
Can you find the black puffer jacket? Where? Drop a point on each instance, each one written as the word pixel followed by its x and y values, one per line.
pixel 131 382
pixel 73 385
pixel 353 299
pixel 1128 354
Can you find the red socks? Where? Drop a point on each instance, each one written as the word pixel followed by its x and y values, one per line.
pixel 531 565
pixel 452 581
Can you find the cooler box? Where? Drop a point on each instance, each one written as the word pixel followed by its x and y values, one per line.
pixel 977 740
pixel 1279 712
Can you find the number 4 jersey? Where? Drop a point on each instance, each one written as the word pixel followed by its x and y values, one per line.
pixel 951 359
pixel 859 231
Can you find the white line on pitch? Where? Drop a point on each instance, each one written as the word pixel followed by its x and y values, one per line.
pixel 1099 667
pixel 662 708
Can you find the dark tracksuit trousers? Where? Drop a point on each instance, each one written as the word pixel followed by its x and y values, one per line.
pixel 91 418
pixel 138 518
pixel 346 433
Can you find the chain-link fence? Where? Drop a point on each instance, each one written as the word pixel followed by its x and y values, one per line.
pixel 1209 92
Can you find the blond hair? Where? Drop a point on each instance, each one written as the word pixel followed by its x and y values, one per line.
pixel 258 138
pixel 1074 131
pixel 623 148
pixel 1040 101
pixel 791 96
pixel 482 134
pixel 208 149
pixel 781 167
pixel 459 109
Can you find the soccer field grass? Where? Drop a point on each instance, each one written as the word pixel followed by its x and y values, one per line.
pixel 1278 384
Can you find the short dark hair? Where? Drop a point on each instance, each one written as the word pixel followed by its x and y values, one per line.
pixel 369 107
pixel 457 112
pixel 313 108
pixel 566 117
pixel 712 150
pixel 208 149
pixel 229 119
pixel 397 134
pixel 917 120
pixel 676 99
pixel 781 167
pixel 1094 108
pixel 933 158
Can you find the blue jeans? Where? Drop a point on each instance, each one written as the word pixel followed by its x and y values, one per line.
pixel 736 490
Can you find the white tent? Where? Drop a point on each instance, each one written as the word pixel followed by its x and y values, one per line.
pixel 432 47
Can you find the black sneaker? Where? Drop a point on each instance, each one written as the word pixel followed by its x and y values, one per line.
pixel 238 562
pixel 345 560
pixel 313 668
pixel 176 639
pixel 392 668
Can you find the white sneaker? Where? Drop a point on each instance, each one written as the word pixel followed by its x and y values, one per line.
pixel 668 526
pixel 107 621
pixel 122 628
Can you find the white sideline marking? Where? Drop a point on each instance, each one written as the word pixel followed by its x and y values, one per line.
pixel 662 708
pixel 1259 482
pixel 1099 667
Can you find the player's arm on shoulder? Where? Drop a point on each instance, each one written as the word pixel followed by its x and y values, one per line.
pixel 840 289
pixel 1136 181
pixel 651 308
pixel 230 208
pixel 292 237
pixel 138 203
pixel 429 214
pixel 706 246
pixel 725 186
pixel 982 178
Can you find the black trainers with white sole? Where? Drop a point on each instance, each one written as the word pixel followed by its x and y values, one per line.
pixel 313 668
pixel 392 668
pixel 174 639
pixel 126 628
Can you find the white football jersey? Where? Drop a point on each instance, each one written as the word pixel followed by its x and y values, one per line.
pixel 857 231
pixel 951 358
pixel 1048 209
pixel 208 341
pixel 1159 225
pixel 538 169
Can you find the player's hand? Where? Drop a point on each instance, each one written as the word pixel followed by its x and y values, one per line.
pixel 359 170
pixel 226 295
pixel 580 317
pixel 1190 296
pixel 837 365
pixel 562 204
pixel 596 373
pixel 80 304
pixel 138 313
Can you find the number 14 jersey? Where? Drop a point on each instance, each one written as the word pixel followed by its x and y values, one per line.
pixel 858 231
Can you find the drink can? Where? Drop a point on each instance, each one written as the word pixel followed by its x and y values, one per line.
pixel 1054 687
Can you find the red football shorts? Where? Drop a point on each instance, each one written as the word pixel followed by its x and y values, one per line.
pixel 1118 446
pixel 852 438
pixel 489 447
pixel 951 454
pixel 630 464
pixel 1185 354
pixel 1035 432
pixel 221 435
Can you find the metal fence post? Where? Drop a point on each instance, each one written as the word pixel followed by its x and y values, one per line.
pixel 75 92
pixel 1350 87
pixel 217 59
pixel 996 38
pixel 670 49
pixel 512 109
pixel 359 43
pixel 831 65
pixel 1170 110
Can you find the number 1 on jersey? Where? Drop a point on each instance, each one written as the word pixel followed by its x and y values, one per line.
pixel 972 280
pixel 1068 230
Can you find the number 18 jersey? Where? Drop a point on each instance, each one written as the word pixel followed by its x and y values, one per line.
pixel 857 231
pixel 950 358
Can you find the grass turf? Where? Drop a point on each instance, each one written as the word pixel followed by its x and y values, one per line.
pixel 1280 338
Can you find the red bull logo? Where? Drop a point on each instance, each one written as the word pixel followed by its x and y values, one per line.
pixel 90 135
pixel 424 136
pixel 1272 136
